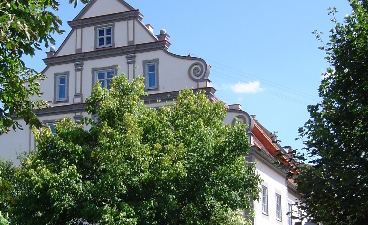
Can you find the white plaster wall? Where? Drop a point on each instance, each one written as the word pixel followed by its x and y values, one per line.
pixel 173 72
pixel 275 184
pixel 103 7
pixel 14 143
pixel 88 39
pixel 69 46
pixel 47 86
pixel 230 117
pixel 121 34
pixel 142 35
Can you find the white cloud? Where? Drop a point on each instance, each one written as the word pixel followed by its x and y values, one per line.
pixel 250 87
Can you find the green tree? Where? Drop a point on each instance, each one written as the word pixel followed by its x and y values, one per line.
pixel 335 184
pixel 136 165
pixel 24 26
pixel 7 180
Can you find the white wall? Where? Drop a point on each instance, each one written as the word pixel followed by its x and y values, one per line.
pixel 15 142
pixel 69 46
pixel 142 35
pixel 103 7
pixel 275 184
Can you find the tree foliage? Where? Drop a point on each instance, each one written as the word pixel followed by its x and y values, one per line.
pixel 335 185
pixel 177 164
pixel 24 26
pixel 7 181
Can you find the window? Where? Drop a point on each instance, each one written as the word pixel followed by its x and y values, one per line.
pixel 104 36
pixel 278 207
pixel 104 76
pixel 264 200
pixel 290 214
pixel 150 71
pixel 61 87
pixel 50 124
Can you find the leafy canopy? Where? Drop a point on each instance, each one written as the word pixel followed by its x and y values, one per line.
pixel 24 26
pixel 335 186
pixel 177 164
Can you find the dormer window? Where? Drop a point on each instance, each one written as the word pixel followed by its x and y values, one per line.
pixel 104 36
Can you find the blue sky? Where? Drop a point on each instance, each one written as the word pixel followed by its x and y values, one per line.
pixel 262 53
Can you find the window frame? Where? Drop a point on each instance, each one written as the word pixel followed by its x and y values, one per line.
pixel 290 214
pixel 104 27
pixel 57 77
pixel 278 207
pixel 51 123
pixel 105 70
pixel 264 200
pixel 146 63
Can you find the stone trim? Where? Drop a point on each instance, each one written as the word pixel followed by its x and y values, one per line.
pixel 267 159
pixel 169 96
pixel 245 116
pixel 64 109
pixel 56 75
pixel 106 53
pixel 130 58
pixel 152 98
pixel 78 65
pixel 95 69
pixel 89 5
pixel 96 28
pixel 204 68
pixel 105 19
pixel 77 118
pixel 157 75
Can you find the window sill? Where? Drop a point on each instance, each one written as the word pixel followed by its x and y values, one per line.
pixel 102 47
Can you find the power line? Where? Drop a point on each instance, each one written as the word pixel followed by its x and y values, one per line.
pixel 264 81
pixel 272 92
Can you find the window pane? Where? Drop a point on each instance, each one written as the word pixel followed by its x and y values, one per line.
pixel 151 68
pixel 108 31
pixel 101 76
pixel 151 80
pixel 62 80
pixel 108 40
pixel 102 82
pixel 101 41
pixel 110 74
pixel 52 128
pixel 108 83
pixel 62 94
pixel 101 32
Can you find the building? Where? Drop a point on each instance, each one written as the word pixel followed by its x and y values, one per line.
pixel 108 38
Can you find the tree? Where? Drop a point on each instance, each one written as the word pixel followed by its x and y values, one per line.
pixel 136 165
pixel 7 180
pixel 24 26
pixel 335 183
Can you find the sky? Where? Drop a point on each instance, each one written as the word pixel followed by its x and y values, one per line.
pixel 263 54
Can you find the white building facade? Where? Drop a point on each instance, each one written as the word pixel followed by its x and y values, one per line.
pixel 108 38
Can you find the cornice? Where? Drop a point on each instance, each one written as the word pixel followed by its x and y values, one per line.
pixel 169 96
pixel 106 53
pixel 91 2
pixel 267 159
pixel 104 19
pixel 63 109
pixel 151 98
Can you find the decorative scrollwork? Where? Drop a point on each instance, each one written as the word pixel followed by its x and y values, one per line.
pixel 197 71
